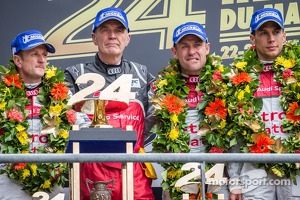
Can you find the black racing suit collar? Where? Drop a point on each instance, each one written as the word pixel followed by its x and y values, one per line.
pixel 109 69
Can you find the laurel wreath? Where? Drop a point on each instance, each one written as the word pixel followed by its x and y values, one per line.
pixel 56 117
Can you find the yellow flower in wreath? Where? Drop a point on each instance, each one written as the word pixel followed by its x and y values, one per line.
pixel 174 134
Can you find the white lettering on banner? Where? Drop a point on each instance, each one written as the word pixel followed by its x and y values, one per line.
pixel 269 89
pixel 129 117
pixel 193 100
pixel 230 18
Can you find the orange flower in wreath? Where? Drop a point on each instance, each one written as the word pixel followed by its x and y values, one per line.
pixel 173 103
pixel 291 113
pixel 11 79
pixel 242 77
pixel 20 166
pixel 261 143
pixel 59 92
pixel 216 108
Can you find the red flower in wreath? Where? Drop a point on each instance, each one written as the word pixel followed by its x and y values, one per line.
pixel 261 143
pixel 215 149
pixel 242 77
pixel 287 73
pixel 217 76
pixel 71 115
pixel 20 166
pixel 59 92
pixel 173 103
pixel 13 79
pixel 216 108
pixel 291 114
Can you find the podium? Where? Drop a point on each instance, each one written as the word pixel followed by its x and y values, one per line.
pixel 101 140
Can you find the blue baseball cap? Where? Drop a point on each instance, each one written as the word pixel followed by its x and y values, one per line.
pixel 110 13
pixel 189 28
pixel 264 15
pixel 28 40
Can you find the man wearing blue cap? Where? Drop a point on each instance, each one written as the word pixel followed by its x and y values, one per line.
pixel 190 51
pixel 110 33
pixel 268 37
pixel 22 128
pixel 29 50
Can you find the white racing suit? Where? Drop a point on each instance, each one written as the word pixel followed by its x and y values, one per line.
pixel 196 143
pixel 11 189
pixel 257 183
pixel 135 115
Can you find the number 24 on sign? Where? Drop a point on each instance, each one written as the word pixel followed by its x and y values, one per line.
pixel 45 196
pixel 118 90
pixel 213 176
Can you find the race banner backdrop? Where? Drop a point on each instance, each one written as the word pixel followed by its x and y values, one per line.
pixel 67 24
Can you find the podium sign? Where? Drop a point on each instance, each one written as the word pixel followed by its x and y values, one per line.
pixel 101 140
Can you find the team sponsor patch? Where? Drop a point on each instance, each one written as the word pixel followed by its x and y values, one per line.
pixel 113 70
pixel 135 83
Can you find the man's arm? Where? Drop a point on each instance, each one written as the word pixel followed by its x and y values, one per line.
pixel 234 171
pixel 150 119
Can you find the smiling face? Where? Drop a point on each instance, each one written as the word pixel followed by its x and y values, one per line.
pixel 191 52
pixel 268 40
pixel 111 37
pixel 32 64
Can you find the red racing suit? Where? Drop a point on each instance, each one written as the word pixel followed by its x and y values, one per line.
pixel 272 115
pixel 135 115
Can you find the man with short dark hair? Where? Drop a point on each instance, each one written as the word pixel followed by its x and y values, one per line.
pixel 268 38
pixel 176 89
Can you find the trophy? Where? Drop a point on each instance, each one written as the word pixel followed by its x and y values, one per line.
pixel 99 114
pixel 100 191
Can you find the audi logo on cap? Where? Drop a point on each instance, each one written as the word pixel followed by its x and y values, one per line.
pixel 114 70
